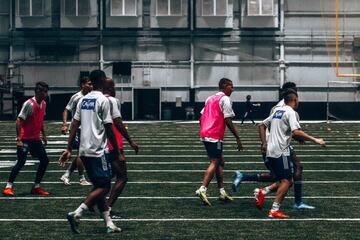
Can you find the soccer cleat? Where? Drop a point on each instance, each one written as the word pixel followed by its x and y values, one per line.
pixel 74 222
pixel 259 198
pixel 277 214
pixel 39 191
pixel 203 196
pixel 66 180
pixel 302 206
pixel 9 192
pixel 83 182
pixel 225 197
pixel 237 180
pixel 113 229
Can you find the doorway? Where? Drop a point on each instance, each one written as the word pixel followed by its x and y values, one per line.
pixel 146 104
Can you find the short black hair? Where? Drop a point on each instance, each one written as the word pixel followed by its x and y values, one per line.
pixel 41 86
pixel 286 86
pixel 223 82
pixel 97 78
pixel 289 95
pixel 248 97
pixel 84 80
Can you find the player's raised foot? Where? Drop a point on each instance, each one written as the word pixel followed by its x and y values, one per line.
pixel 259 198
pixel 65 180
pixel 9 192
pixel 303 206
pixel 39 191
pixel 74 222
pixel 113 229
pixel 277 214
pixel 237 178
pixel 226 197
pixel 203 196
pixel 83 182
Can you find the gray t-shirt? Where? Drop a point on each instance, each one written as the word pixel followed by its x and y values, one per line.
pixel 281 124
pixel 93 111
pixel 28 108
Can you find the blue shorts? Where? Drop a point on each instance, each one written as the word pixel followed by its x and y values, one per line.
pixel 75 144
pixel 282 167
pixel 98 171
pixel 214 150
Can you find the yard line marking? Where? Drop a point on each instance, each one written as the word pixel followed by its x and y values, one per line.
pixel 192 220
pixel 187 182
pixel 194 170
pixel 171 198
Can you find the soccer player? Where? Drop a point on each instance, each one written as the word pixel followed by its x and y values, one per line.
pixel 267 177
pixel 93 114
pixel 118 164
pixel 86 87
pixel 249 109
pixel 283 124
pixel 29 124
pixel 216 115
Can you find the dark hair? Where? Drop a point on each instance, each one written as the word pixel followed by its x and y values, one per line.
pixel 289 95
pixel 84 80
pixel 97 78
pixel 286 86
pixel 223 82
pixel 41 86
pixel 248 97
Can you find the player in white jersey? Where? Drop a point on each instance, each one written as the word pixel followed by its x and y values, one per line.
pixel 86 87
pixel 283 125
pixel 93 114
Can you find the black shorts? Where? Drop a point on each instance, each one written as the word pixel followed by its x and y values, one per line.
pixel 75 144
pixel 98 171
pixel 34 147
pixel 282 167
pixel 214 150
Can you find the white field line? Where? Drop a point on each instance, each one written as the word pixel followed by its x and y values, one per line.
pixel 192 220
pixel 257 150
pixel 196 171
pixel 187 182
pixel 171 198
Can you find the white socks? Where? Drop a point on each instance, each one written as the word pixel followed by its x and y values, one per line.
pixel 275 207
pixel 67 173
pixel 266 190
pixel 9 185
pixel 222 191
pixel 203 189
pixel 80 210
pixel 36 185
pixel 107 218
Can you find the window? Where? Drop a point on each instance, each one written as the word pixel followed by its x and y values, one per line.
pixel 122 72
pixel 260 7
pixel 214 7
pixel 168 8
pixel 123 7
pixel 77 7
pixel 31 8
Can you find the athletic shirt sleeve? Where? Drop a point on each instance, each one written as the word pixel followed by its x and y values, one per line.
pixel 26 110
pixel 70 104
pixel 226 107
pixel 267 121
pixel 293 120
pixel 114 108
pixel 106 115
pixel 77 115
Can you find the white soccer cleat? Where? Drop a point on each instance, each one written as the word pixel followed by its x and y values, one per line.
pixel 113 229
pixel 83 182
pixel 65 180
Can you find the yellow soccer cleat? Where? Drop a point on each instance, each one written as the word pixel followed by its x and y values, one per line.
pixel 203 196
pixel 225 197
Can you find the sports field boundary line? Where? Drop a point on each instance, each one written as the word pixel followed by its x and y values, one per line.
pixel 170 198
pixel 192 220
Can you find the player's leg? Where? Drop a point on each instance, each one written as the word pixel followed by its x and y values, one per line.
pixel 219 173
pixel 21 153
pixel 38 149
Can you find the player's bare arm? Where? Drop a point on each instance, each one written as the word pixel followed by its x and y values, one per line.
pixel 230 125
pixel 64 127
pixel 301 134
pixel 120 126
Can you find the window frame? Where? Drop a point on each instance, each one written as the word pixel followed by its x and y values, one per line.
pixel 123 10
pixel 260 9
pixel 169 10
pixel 77 10
pixel 214 9
pixel 31 9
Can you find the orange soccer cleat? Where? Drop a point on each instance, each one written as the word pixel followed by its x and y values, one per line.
pixel 39 191
pixel 8 192
pixel 277 214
